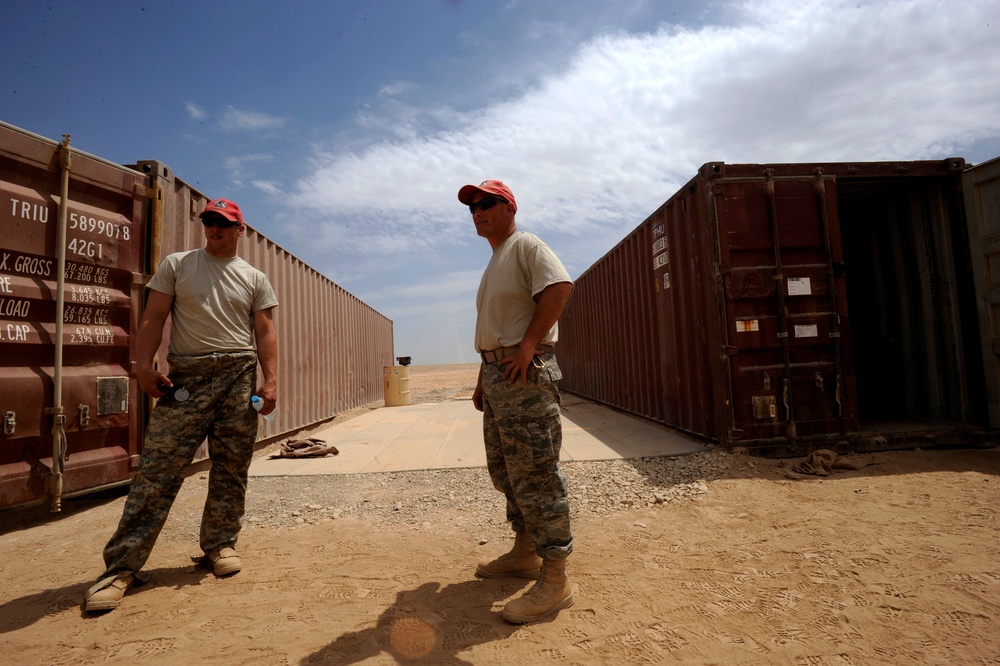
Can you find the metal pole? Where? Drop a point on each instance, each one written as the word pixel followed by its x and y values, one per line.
pixel 54 483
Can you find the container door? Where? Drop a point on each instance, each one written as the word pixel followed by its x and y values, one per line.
pixel 104 254
pixel 786 307
pixel 981 185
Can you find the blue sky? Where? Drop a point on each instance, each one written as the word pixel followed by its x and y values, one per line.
pixel 345 128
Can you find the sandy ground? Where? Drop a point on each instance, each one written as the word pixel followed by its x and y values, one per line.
pixel 893 564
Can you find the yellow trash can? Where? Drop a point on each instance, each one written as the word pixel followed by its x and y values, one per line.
pixel 397 385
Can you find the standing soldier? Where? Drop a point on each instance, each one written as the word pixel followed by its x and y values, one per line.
pixel 521 296
pixel 219 306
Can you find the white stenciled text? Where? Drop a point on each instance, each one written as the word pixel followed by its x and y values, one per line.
pixel 97 295
pixel 14 307
pixel 86 315
pixel 87 273
pixel 88 249
pixel 25 265
pixel 85 335
pixel 15 332
pixel 29 210
pixel 95 225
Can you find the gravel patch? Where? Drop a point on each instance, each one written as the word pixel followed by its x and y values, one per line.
pixel 466 498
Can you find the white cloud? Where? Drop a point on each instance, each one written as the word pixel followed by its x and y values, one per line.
pixel 633 117
pixel 591 149
pixel 240 120
pixel 194 111
pixel 439 287
pixel 238 166
pixel 268 187
pixel 395 88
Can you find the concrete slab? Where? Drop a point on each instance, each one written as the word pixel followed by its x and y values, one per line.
pixel 449 435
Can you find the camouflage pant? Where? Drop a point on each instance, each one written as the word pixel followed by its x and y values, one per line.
pixel 523 434
pixel 220 386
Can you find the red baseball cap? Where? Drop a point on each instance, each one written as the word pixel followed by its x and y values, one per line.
pixel 494 187
pixel 226 208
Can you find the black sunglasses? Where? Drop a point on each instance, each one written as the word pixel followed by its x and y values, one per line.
pixel 218 221
pixel 485 204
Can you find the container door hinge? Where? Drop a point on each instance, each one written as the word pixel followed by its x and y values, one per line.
pixel 729 350
pixel 9 423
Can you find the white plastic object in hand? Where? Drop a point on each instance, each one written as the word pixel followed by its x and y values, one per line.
pixel 258 404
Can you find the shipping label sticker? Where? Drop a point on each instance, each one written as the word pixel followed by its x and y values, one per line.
pixel 806 331
pixel 799 286
pixel 666 280
pixel 747 325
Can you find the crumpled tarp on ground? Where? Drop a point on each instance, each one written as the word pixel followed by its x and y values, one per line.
pixel 824 462
pixel 305 448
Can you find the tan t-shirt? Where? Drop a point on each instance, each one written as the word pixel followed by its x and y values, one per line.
pixel 522 267
pixel 214 301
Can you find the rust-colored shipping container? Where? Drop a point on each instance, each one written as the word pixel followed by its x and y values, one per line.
pixel 781 307
pixel 79 239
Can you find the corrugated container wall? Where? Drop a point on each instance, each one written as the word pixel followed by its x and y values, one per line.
pixel 783 306
pixel 71 414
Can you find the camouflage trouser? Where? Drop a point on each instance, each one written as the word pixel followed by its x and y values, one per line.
pixel 220 386
pixel 523 435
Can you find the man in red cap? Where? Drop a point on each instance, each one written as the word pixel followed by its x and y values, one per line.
pixel 219 307
pixel 521 296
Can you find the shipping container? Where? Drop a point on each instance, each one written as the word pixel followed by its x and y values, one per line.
pixel 79 239
pixel 786 307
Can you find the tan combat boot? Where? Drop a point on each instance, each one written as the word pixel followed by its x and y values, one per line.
pixel 520 562
pixel 224 561
pixel 551 593
pixel 107 593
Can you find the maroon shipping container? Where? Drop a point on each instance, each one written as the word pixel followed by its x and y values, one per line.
pixel 784 306
pixel 71 415
pixel 97 293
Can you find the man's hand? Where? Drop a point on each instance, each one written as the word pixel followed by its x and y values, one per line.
pixel 517 365
pixel 477 395
pixel 153 382
pixel 268 392
pixel 267 357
